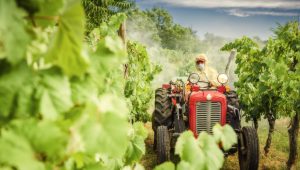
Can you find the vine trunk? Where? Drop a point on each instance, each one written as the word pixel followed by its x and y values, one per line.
pixel 271 121
pixel 293 136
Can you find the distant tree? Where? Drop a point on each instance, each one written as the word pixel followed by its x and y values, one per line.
pixel 161 18
pixel 173 36
pixel 141 28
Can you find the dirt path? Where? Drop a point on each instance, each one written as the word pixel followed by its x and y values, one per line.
pixel 149 159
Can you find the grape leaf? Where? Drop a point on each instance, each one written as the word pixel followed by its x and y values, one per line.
pixel 16 151
pixel 189 151
pixel 24 103
pixel 185 165
pixel 136 148
pixel 103 132
pixel 46 138
pixel 13 35
pixel 83 89
pixel 113 25
pixel 213 155
pixel 165 166
pixel 49 11
pixel 12 87
pixel 65 50
pixel 225 135
pixel 53 94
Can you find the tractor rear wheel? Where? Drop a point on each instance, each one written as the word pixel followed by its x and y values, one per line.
pixel 163 144
pixel 162 112
pixel 249 150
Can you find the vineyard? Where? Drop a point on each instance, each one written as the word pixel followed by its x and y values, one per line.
pixel 78 80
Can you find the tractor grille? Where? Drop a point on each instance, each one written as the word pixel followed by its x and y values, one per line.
pixel 207 115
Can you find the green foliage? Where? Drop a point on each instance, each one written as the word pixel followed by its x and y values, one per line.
pixel 268 76
pixel 99 11
pixel 165 166
pixel 69 36
pixel 224 135
pixel 17 152
pixel 136 148
pixel 58 107
pixel 48 93
pixel 203 152
pixel 138 84
pixel 245 67
pixel 106 41
pixel 13 36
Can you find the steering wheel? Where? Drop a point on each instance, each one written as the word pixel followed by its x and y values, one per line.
pixel 194 79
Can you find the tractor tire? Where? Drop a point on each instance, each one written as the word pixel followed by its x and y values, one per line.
pixel 163 144
pixel 162 112
pixel 249 156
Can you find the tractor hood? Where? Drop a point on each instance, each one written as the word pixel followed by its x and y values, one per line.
pixel 207 95
pixel 206 109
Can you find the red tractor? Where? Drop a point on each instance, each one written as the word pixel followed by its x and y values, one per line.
pixel 197 106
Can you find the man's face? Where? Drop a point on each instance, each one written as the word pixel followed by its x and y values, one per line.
pixel 200 64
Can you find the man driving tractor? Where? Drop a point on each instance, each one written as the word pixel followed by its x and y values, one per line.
pixel 204 102
pixel 205 73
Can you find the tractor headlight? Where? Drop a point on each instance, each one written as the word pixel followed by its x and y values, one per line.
pixel 194 78
pixel 222 78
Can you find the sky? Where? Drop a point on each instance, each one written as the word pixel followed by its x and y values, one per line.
pixel 229 18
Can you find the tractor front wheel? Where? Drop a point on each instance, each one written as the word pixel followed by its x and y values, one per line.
pixel 248 148
pixel 163 144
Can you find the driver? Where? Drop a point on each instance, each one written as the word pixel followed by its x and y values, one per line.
pixel 206 73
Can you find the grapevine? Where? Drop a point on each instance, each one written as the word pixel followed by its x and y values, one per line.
pixel 268 77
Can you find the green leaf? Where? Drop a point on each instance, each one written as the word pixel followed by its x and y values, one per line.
pixel 104 130
pixel 165 166
pixel 140 130
pixel 213 155
pixel 25 105
pixel 113 25
pixel 185 165
pixel 49 11
pixel 83 90
pixel 49 139
pixel 128 89
pixel 46 138
pixel 13 35
pixel 136 148
pixel 111 49
pixel 225 135
pixel 66 48
pixel 14 90
pixel 16 151
pixel 106 65
pixel 189 151
pixel 54 95
pixel 138 167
